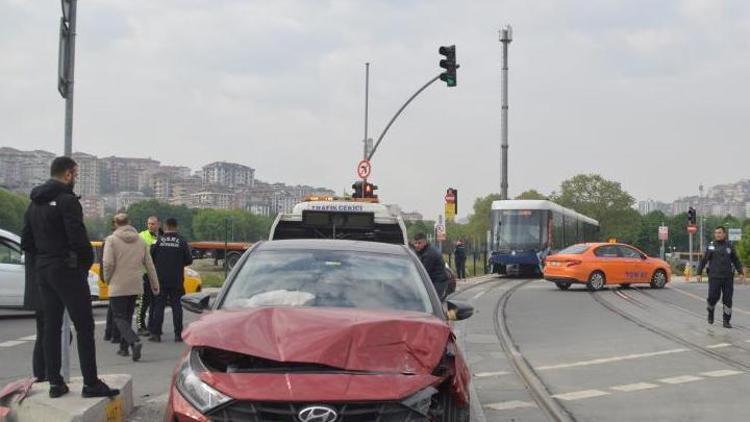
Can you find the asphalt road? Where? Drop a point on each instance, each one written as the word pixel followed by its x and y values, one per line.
pixel 615 355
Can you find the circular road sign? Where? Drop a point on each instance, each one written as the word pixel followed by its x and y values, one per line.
pixel 364 169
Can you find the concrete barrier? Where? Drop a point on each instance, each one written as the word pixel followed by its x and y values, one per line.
pixel 38 407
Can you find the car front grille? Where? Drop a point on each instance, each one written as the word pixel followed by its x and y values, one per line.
pixel 287 412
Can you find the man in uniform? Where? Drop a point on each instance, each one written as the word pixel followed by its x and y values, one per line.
pixel 56 235
pixel 145 301
pixel 722 261
pixel 171 254
pixel 433 263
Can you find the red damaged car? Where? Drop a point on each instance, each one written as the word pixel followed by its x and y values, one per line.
pixel 323 331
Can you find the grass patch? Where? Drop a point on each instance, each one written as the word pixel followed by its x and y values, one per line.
pixel 212 279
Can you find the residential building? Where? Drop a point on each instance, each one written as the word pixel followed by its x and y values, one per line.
pixel 93 207
pixel 127 174
pixel 229 175
pixel 126 199
pixel 22 170
pixel 89 175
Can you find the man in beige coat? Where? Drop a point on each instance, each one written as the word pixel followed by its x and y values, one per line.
pixel 125 258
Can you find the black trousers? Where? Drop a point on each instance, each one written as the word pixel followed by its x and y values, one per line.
pixel 64 288
pixel 721 287
pixel 145 304
pixel 110 329
pixel 461 268
pixel 122 312
pixel 171 296
pixel 37 362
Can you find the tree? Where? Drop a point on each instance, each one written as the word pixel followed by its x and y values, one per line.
pixel 236 225
pixel 12 208
pixel 421 226
pixel 531 194
pixel 648 237
pixel 604 200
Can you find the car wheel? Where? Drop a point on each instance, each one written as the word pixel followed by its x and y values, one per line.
pixel 659 280
pixel 448 410
pixel 596 281
pixel 562 285
pixel 232 258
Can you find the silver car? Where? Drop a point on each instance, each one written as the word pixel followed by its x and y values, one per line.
pixel 13 273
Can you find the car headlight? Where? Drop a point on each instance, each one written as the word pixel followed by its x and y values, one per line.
pixel 421 401
pixel 201 395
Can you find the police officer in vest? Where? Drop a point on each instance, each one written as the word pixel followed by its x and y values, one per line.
pixel 722 261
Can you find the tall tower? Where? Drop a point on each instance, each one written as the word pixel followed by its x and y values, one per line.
pixel 506 36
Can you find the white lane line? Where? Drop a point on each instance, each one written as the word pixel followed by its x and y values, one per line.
pixel 478 295
pixel 610 360
pixel 680 380
pixel 490 374
pixel 11 343
pixel 508 405
pixel 580 395
pixel 634 387
pixel 28 338
pixel 718 346
pixel 722 373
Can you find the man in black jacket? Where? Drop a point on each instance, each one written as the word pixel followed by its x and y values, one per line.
pixel 433 263
pixel 460 254
pixel 722 261
pixel 55 234
pixel 171 254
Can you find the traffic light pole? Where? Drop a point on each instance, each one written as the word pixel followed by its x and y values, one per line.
pixel 393 119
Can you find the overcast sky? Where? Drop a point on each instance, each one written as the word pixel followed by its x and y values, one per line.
pixel 653 94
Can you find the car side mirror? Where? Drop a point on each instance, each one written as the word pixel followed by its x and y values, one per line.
pixel 196 302
pixel 459 311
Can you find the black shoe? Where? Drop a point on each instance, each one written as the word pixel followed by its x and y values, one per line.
pixel 143 332
pixel 156 338
pixel 137 346
pixel 123 352
pixel 177 338
pixel 56 391
pixel 727 324
pixel 100 389
pixel 710 317
pixel 115 340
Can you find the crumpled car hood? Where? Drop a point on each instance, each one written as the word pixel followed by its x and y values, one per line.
pixel 343 338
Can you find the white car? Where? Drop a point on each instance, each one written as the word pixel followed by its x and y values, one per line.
pixel 13 272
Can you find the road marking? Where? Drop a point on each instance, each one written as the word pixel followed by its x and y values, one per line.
pixel 703 299
pixel 478 295
pixel 680 380
pixel 610 360
pixel 722 373
pixel 579 395
pixel 28 338
pixel 11 343
pixel 508 405
pixel 718 346
pixel 634 387
pixel 490 374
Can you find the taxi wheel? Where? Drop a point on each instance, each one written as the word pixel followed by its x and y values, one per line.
pixel 596 281
pixel 659 280
pixel 563 285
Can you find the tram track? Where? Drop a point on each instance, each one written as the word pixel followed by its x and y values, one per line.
pixel 736 364
pixel 535 386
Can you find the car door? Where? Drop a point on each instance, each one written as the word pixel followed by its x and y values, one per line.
pixel 608 259
pixel 12 273
pixel 634 269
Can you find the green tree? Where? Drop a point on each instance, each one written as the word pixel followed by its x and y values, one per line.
pixel 743 247
pixel 648 237
pixel 12 208
pixel 238 225
pixel 531 194
pixel 421 226
pixel 140 211
pixel 603 200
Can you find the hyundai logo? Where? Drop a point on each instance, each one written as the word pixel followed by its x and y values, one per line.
pixel 318 414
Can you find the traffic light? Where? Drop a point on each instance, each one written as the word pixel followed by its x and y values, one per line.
pixel 691 216
pixel 364 190
pixel 449 64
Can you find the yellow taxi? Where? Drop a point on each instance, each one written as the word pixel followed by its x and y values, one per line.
pixel 193 281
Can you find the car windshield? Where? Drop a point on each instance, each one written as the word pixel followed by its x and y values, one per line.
pixel 329 278
pixel 574 250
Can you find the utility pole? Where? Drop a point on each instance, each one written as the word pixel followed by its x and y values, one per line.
pixel 506 36
pixel 66 66
pixel 367 142
pixel 700 216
